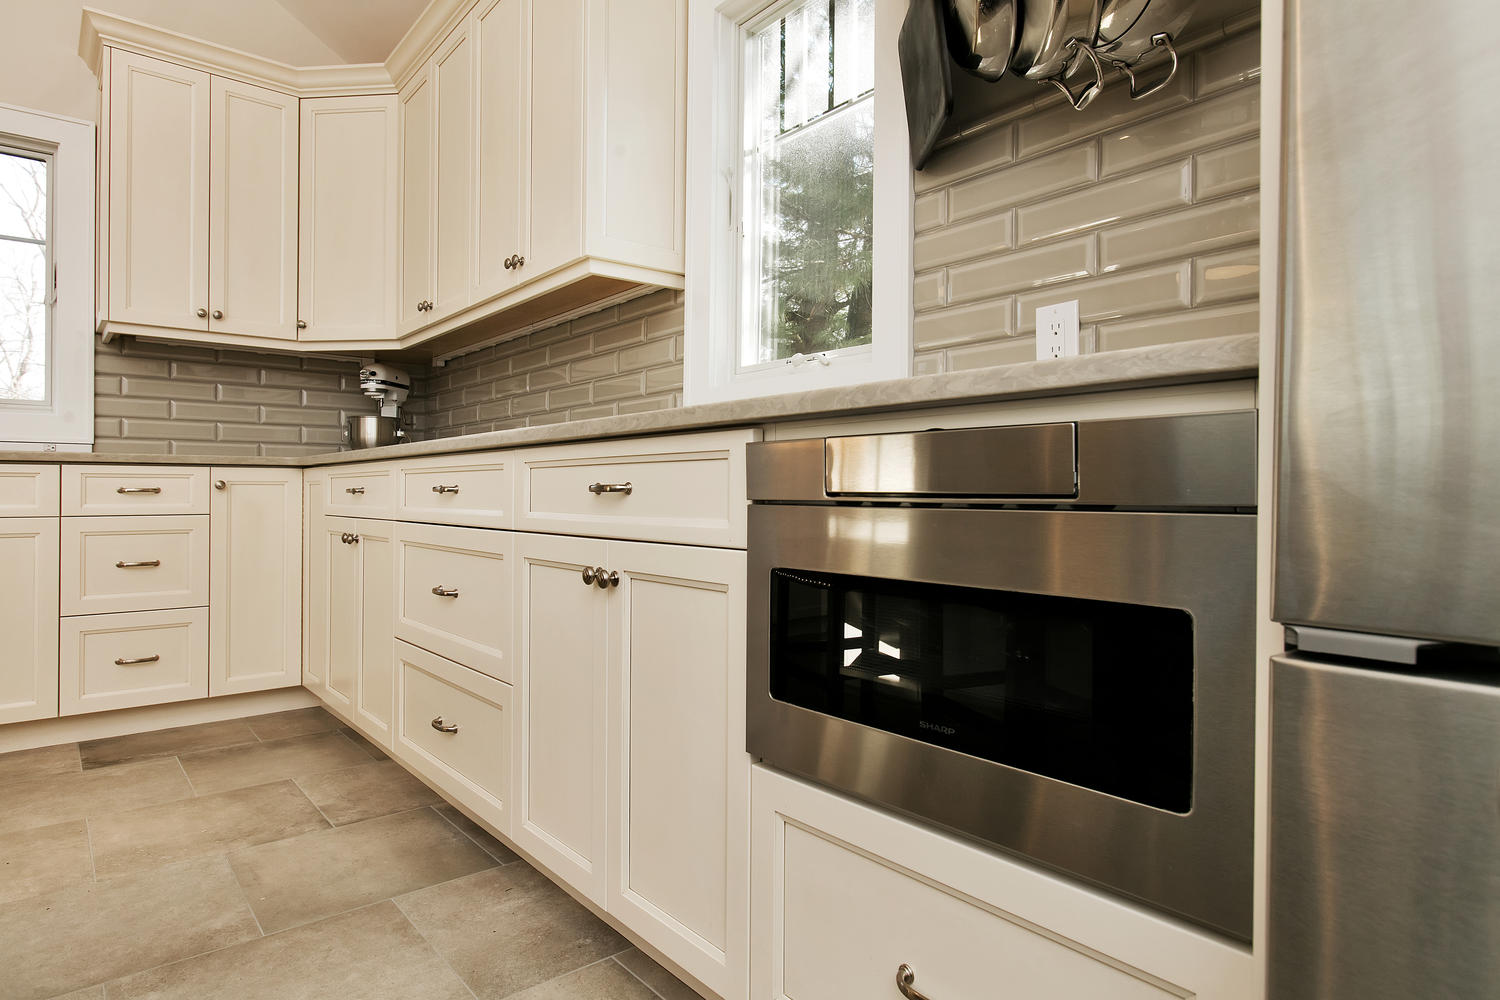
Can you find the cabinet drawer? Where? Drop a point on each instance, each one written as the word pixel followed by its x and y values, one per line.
pixel 30 490
pixel 134 563
pixel 124 661
pixel 455 489
pixel 453 594
pixel 134 489
pixel 688 488
pixel 470 761
pixel 360 492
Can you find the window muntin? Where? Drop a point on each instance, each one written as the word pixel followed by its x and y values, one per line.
pixel 25 269
pixel 808 182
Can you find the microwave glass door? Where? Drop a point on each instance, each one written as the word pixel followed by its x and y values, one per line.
pixel 1093 693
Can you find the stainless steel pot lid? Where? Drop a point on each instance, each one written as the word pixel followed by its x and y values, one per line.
pixel 1052 32
pixel 982 35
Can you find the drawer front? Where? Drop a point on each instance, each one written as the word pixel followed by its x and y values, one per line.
pixel 129 660
pixel 114 564
pixel 454 594
pixel 456 490
pixel 470 757
pixel 689 488
pixel 30 490
pixel 134 489
pixel 360 492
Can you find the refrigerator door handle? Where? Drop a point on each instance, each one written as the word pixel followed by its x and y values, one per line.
pixel 1359 645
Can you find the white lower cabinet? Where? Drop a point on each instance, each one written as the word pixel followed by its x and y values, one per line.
pixel 28 618
pixel 132 659
pixel 453 594
pixel 255 592
pixel 453 726
pixel 845 895
pixel 351 590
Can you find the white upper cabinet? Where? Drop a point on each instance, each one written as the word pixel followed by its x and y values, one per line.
pixel 202 195
pixel 252 211
pixel 453 177
pixel 417 275
pixel 158 193
pixel 501 36
pixel 348 256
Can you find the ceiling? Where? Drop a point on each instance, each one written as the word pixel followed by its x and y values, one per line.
pixel 359 31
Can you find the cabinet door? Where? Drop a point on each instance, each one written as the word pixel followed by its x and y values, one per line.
pixel 28 618
pixel 252 214
pixel 679 777
pixel 348 260
pixel 561 630
pixel 376 698
pixel 254 587
pixel 314 586
pixel 340 612
pixel 503 113
pixel 452 71
pixel 416 202
pixel 557 122
pixel 158 193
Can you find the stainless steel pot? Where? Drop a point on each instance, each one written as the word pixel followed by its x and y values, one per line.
pixel 1135 30
pixel 372 431
pixel 982 35
pixel 1052 33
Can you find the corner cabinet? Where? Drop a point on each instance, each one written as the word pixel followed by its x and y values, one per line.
pixel 201 194
pixel 351 621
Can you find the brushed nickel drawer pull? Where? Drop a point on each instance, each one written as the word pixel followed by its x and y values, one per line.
pixel 220 484
pixel 137 489
pixel 445 489
pixel 137 564
pixel 588 576
pixel 130 661
pixel 614 578
pixel 905 977
pixel 355 491
pixel 438 725
pixel 601 578
pixel 599 488
pixel 441 591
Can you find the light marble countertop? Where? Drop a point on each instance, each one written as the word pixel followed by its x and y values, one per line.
pixel 1210 360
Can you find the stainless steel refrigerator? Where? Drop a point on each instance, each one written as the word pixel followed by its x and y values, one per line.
pixel 1385 724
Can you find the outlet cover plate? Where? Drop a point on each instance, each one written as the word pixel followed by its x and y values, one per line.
pixel 1057 331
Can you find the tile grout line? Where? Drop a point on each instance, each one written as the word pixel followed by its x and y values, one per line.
pixel 441 957
pixel 88 834
pixel 178 759
pixel 466 833
pixel 615 958
pixel 331 824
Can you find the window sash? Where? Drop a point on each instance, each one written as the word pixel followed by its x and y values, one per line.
pixel 49 297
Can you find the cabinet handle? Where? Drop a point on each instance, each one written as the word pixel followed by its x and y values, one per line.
pixel 130 661
pixel 905 977
pixel 598 488
pixel 588 576
pixel 441 591
pixel 601 578
pixel 139 564
pixel 614 578
pixel 220 484
pixel 137 489
pixel 218 314
pixel 355 491
pixel 302 324
pixel 445 489
pixel 437 724
pixel 514 261
pixel 519 262
pixel 203 314
pixel 349 538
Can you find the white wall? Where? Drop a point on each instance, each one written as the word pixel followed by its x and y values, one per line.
pixel 40 67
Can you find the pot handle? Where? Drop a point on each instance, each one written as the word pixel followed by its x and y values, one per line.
pixel 1091 90
pixel 1158 40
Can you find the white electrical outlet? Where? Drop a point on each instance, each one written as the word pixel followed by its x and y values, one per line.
pixel 1057 331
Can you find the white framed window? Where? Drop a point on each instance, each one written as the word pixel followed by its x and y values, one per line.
pixel 46 281
pixel 799 197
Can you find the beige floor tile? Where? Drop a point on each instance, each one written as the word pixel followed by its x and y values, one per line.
pixel 600 981
pixel 21 765
pixel 662 982
pixel 211 824
pixel 370 954
pixel 45 801
pixel 478 834
pixel 44 860
pixel 66 940
pixel 92 993
pixel 317 875
pixel 375 752
pixel 164 743
pixel 365 791
pixel 509 929
pixel 297 722
pixel 259 763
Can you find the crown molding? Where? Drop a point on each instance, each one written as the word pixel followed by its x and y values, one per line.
pixel 101 28
pixel 422 39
